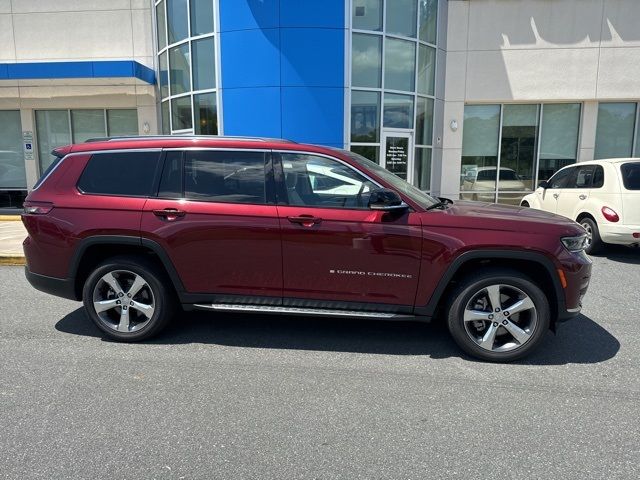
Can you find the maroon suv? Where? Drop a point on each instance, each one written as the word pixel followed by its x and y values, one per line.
pixel 136 227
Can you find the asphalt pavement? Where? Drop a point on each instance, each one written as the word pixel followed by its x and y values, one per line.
pixel 239 396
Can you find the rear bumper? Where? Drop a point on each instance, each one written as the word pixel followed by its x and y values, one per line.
pixel 60 287
pixel 619 234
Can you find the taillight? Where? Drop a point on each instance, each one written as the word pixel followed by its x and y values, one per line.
pixel 610 214
pixel 37 208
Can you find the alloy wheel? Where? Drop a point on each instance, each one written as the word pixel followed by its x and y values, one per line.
pixel 589 230
pixel 123 301
pixel 500 318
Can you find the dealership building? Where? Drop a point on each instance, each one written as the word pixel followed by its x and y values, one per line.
pixel 443 93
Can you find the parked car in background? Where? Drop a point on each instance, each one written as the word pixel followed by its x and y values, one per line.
pixel 601 195
pixel 482 182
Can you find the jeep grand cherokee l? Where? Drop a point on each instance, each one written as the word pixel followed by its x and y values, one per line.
pixel 136 227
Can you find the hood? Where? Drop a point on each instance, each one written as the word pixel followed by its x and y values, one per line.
pixel 493 216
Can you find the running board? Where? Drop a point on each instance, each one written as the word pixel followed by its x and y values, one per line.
pixel 227 307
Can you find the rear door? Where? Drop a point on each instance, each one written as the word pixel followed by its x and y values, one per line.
pixel 573 197
pixel 216 218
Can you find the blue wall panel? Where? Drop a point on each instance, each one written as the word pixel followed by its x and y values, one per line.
pixel 249 14
pixel 250 58
pixel 310 13
pixel 252 111
pixel 313 115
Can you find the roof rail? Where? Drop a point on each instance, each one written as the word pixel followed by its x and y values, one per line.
pixel 126 138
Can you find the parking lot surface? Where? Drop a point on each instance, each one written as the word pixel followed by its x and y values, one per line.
pixel 239 396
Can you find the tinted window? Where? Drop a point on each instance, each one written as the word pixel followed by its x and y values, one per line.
pixel 126 173
pixel 171 180
pixel 581 178
pixel 631 175
pixel 322 182
pixel 598 177
pixel 559 180
pixel 230 177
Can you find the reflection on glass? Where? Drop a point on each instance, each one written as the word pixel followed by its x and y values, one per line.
pixel 164 111
pixel 614 131
pixel 367 14
pixel 400 65
pixel 52 127
pixel 367 151
pixel 518 148
pixel 398 111
pixel 401 17
pixel 204 65
pixel 180 71
pixel 201 17
pixel 12 166
pixel 558 137
pixel 181 113
pixel 161 27
pixel 426 69
pixel 479 147
pixel 164 75
pixel 422 169
pixel 396 156
pixel 424 121
pixel 86 124
pixel 365 116
pixel 428 20
pixel 122 122
pixel 205 114
pixel 366 61
pixel 177 21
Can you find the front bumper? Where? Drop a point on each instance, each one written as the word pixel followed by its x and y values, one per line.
pixel 619 234
pixel 576 268
pixel 60 287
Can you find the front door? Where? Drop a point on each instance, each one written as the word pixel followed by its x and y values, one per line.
pixel 334 248
pixel 397 153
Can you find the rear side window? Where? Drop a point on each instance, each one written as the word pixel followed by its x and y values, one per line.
pixel 123 173
pixel 631 175
pixel 225 176
pixel 581 178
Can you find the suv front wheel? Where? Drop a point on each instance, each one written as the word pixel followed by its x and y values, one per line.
pixel 499 315
pixel 127 299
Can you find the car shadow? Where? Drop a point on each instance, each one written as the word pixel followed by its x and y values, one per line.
pixel 580 340
pixel 621 254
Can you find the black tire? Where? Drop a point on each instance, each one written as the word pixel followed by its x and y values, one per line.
pixel 596 245
pixel 512 281
pixel 157 289
pixel 525 204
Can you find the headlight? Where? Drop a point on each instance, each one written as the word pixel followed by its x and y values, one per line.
pixel 575 244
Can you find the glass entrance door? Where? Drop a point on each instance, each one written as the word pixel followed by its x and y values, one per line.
pixel 398 154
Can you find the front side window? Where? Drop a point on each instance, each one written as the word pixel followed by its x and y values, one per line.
pixel 559 180
pixel 124 173
pixel 631 175
pixel 228 177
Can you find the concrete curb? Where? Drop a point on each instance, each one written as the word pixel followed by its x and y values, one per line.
pixel 10 218
pixel 15 260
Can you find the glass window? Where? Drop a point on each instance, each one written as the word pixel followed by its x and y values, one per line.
pixel 179 64
pixel 428 20
pixel 161 27
pixel 424 121
pixel 230 177
pixel 201 17
pixel 365 116
pixel 103 174
pixel 581 177
pixel 401 17
pixel 367 14
pixel 322 182
pixel 164 111
pixel 518 149
pixel 177 20
pixel 87 124
pixel 396 155
pixel 560 179
pixel 598 177
pixel 205 114
pixel 422 169
pixel 398 111
pixel 171 179
pixel 53 130
pixel 631 175
pixel 12 166
pixel 426 69
pixel 204 64
pixel 558 137
pixel 400 65
pixel 479 143
pixel 181 113
pixel 366 60
pixel 367 151
pixel 122 122
pixel 164 75
pixel 614 131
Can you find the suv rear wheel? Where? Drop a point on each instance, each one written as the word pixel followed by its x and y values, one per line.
pixel 499 315
pixel 127 299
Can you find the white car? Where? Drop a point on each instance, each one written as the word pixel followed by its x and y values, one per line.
pixel 601 195
pixel 482 181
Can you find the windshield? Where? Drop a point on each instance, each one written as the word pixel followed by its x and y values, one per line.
pixel 414 193
pixel 631 175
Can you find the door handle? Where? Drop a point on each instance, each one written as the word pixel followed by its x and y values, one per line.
pixel 582 197
pixel 169 213
pixel 556 195
pixel 305 220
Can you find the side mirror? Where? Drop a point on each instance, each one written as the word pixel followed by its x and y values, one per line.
pixel 544 184
pixel 385 199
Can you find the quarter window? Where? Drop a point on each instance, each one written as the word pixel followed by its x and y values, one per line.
pixel 129 174
pixel 631 175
